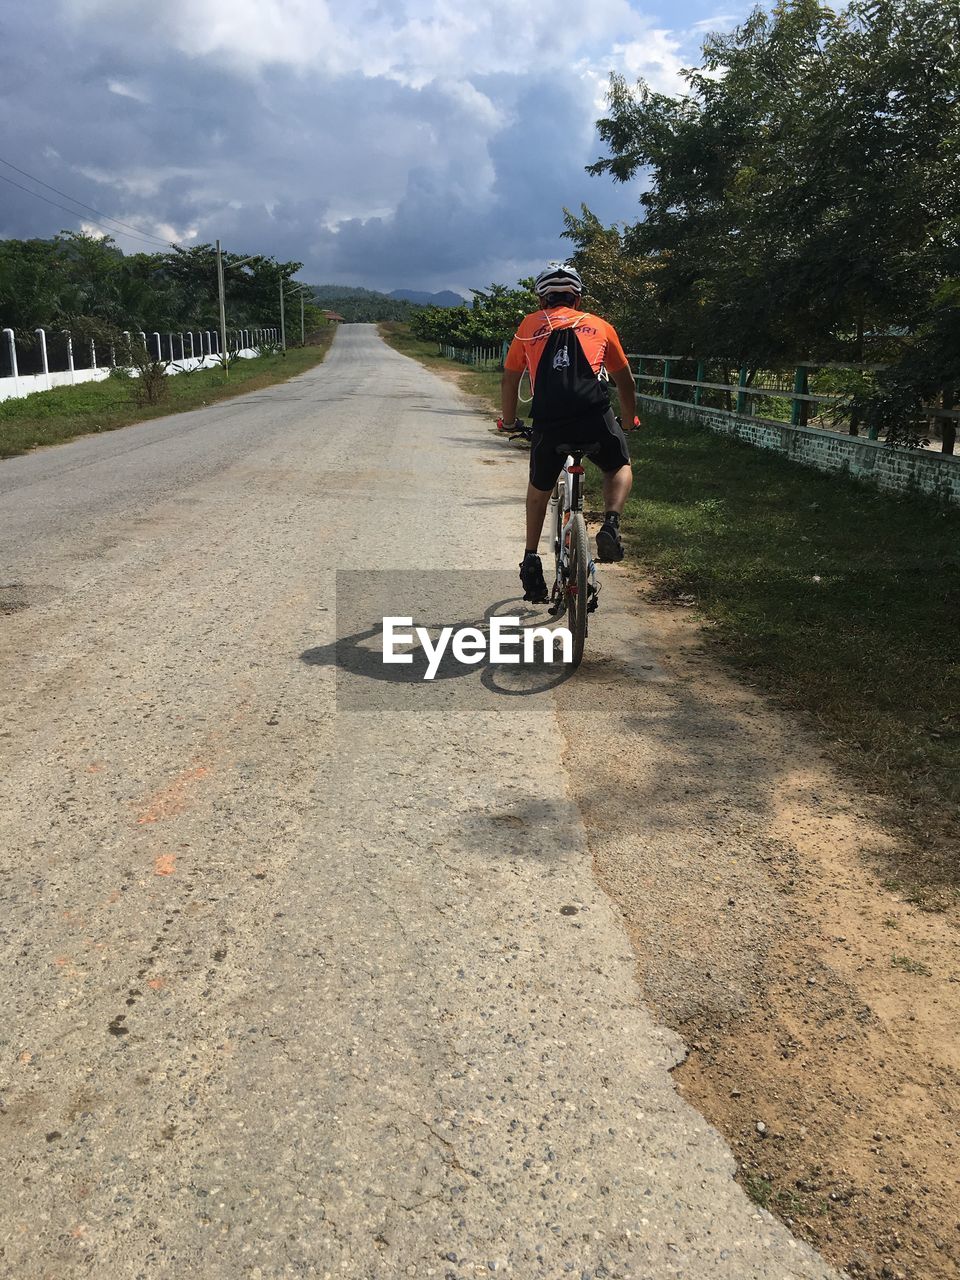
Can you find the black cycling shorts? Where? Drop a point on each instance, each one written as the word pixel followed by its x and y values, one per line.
pixel 605 432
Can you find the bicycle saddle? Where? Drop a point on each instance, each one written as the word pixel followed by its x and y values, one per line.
pixel 578 450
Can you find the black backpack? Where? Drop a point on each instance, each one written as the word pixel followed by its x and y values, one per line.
pixel 566 386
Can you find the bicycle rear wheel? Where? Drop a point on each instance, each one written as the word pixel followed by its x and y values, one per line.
pixel 576 584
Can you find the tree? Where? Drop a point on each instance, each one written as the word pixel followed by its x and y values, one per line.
pixel 86 284
pixel 491 320
pixel 804 191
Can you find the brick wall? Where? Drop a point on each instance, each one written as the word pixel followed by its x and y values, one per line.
pixel 896 470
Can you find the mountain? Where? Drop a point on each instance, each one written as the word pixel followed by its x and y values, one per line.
pixel 368 306
pixel 445 298
pixel 364 306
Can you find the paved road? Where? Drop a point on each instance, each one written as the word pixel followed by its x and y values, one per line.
pixel 289 990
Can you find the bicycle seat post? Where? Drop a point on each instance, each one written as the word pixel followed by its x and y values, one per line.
pixel 577 452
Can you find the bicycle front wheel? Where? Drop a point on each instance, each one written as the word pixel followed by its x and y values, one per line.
pixel 576 584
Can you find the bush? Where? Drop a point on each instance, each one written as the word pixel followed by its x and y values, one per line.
pixel 151 387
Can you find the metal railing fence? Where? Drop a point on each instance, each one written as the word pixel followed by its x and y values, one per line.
pixel 811 394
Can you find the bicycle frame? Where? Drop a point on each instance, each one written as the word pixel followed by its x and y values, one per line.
pixel 569 496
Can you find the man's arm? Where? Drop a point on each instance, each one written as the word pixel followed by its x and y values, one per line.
pixel 627 391
pixel 509 393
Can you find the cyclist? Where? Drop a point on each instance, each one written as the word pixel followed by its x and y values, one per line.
pixel 563 349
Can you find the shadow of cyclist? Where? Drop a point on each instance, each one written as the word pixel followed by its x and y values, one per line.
pixel 360 655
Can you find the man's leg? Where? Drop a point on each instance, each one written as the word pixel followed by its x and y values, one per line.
pixel 537 501
pixel 616 489
pixel 614 459
pixel 531 568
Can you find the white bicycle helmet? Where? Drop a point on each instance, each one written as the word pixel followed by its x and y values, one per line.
pixel 559 277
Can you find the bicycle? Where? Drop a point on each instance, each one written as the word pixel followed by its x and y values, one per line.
pixel 575 589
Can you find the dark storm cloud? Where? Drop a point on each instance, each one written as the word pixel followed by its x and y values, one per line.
pixel 367 178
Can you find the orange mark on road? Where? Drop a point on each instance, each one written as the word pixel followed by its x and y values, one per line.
pixel 157 984
pixel 171 800
pixel 96 767
pixel 25 1058
pixel 165 865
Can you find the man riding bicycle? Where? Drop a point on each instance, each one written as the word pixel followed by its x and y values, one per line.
pixel 563 349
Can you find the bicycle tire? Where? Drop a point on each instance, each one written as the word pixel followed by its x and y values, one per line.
pixel 579 556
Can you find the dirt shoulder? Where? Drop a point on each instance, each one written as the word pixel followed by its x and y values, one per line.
pixel 819 1007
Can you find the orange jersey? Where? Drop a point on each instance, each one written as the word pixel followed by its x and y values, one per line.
pixel 599 340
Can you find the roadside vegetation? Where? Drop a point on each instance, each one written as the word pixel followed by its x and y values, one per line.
pixel 492 317
pixel 799 204
pixel 822 589
pixel 829 594
pixel 86 285
pixel 361 306
pixel 50 417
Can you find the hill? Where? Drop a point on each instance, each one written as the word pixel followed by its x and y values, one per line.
pixel 360 306
pixel 446 298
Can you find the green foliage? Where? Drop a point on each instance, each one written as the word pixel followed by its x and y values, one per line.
pixel 361 306
pixel 87 285
pixel 803 196
pixel 492 319
pixel 225 361
pixel 152 385
pixel 314 321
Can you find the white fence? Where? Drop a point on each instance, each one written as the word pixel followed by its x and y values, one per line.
pixel 481 357
pixel 53 360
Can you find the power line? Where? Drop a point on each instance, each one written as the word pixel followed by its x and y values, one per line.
pixel 105 216
pixel 75 214
pixel 101 218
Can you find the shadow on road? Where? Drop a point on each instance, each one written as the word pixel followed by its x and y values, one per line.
pixel 358 653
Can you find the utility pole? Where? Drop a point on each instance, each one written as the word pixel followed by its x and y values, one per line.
pixel 283 328
pixel 223 314
pixel 303 334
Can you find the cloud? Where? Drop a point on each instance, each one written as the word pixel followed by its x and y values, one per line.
pixel 721 22
pixel 126 91
pixel 405 144
pixel 411 41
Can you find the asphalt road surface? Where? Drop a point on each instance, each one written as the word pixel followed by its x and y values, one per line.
pixel 297 990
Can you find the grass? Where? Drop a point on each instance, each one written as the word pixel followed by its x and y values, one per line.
pixel 909 965
pixel 759 1190
pixel 841 601
pixel 51 417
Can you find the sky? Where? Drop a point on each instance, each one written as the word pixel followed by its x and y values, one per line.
pixel 417 144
